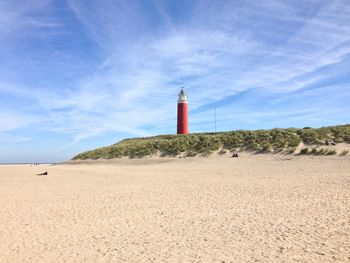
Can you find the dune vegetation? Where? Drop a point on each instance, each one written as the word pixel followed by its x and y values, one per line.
pixel 260 141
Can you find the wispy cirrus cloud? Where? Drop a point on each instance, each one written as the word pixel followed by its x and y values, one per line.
pixel 23 15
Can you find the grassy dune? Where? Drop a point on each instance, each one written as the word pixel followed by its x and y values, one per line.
pixel 275 140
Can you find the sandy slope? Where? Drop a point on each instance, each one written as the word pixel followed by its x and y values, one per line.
pixel 248 209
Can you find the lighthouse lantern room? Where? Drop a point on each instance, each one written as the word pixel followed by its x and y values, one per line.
pixel 182 113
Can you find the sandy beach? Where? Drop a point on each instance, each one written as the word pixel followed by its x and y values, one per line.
pixel 255 208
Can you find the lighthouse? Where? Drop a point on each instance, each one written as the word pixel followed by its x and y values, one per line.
pixel 182 113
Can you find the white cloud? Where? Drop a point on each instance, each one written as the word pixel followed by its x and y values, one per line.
pixel 10 138
pixel 14 120
pixel 137 85
pixel 16 15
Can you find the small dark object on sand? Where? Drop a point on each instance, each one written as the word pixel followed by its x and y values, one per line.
pixel 235 155
pixel 45 173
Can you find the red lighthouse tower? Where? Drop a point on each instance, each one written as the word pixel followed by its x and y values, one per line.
pixel 182 113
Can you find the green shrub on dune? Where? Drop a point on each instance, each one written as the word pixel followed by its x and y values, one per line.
pixel 275 140
pixel 331 152
pixel 304 151
pixel 290 150
pixel 318 151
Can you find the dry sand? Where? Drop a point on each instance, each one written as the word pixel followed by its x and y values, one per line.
pixel 260 208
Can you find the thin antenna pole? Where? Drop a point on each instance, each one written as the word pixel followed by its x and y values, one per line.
pixel 215 119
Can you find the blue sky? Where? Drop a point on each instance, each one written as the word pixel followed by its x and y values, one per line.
pixel 80 74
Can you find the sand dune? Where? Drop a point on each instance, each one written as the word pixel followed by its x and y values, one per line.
pixel 256 208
